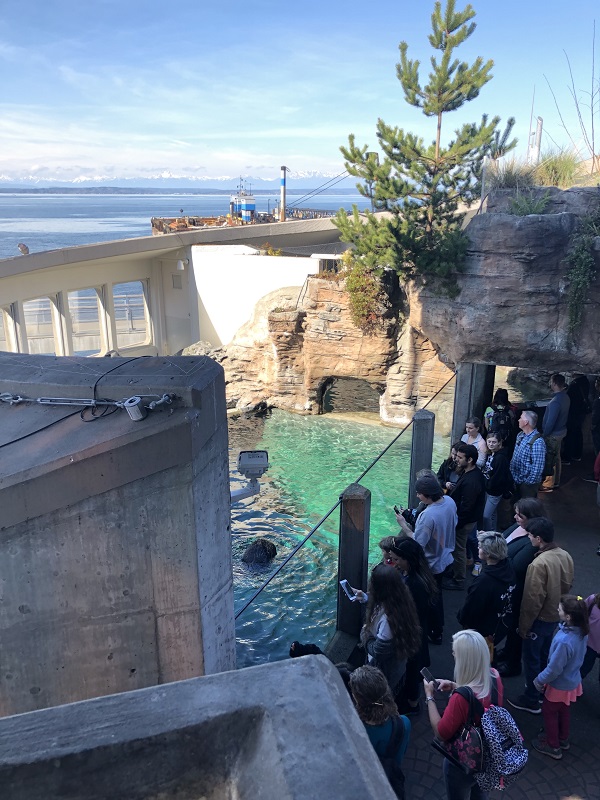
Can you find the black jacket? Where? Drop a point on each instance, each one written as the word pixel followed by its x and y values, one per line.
pixel 469 496
pixel 520 554
pixel 487 607
pixel 422 600
pixel 498 480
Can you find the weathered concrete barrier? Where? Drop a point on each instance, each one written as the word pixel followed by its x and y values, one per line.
pixel 277 732
pixel 115 556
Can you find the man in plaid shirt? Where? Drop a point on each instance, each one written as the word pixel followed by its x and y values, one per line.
pixel 527 464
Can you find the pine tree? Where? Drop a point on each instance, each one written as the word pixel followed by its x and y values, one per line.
pixel 423 185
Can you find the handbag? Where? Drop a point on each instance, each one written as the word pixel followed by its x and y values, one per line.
pixel 465 749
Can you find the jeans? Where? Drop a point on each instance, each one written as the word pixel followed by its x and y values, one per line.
pixel 535 654
pixel 556 722
pixel 527 490
pixel 490 512
pixel 472 548
pixel 459 785
pixel 460 551
pixel 588 662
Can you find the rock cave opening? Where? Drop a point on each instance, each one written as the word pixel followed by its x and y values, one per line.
pixel 348 395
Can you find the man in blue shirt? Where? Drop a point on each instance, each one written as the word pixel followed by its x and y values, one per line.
pixel 554 428
pixel 527 463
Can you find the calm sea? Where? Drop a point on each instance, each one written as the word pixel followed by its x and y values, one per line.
pixel 51 221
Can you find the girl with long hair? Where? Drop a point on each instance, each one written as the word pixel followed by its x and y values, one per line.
pixel 391 633
pixel 561 680
pixel 378 712
pixel 407 556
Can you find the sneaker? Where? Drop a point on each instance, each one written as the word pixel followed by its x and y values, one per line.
pixel 564 744
pixel 546 489
pixel 542 746
pixel 568 463
pixel 523 703
pixel 453 585
pixel 476 569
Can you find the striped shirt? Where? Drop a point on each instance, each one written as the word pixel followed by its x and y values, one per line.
pixel 527 464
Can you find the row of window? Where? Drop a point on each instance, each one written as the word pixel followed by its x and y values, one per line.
pixel 87 320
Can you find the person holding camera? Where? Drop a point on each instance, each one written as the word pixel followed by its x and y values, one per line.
pixel 435 531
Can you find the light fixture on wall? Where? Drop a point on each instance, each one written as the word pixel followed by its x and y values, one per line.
pixel 182 264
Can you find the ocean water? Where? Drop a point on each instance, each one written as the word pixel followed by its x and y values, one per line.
pixel 51 221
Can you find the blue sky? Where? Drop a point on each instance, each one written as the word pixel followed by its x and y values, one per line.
pixel 136 89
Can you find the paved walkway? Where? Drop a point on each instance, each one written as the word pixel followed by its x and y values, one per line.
pixel 573 510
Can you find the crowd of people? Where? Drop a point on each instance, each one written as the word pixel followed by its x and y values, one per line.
pixel 517 617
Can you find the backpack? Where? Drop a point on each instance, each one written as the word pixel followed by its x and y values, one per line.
pixel 501 423
pixel 504 754
pixel 388 761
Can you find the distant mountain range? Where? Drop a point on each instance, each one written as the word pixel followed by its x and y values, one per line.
pixel 296 182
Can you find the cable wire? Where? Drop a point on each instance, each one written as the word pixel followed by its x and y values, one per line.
pixel 78 411
pixel 320 189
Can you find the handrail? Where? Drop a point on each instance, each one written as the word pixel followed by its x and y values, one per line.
pixel 333 508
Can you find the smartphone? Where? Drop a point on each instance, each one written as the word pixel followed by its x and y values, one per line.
pixel 347 590
pixel 398 510
pixel 428 676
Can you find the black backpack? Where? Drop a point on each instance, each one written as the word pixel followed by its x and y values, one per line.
pixel 388 761
pixel 502 423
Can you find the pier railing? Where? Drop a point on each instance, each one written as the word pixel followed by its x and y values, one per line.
pixel 421 454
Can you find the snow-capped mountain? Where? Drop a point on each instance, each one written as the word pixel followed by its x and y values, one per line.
pixel 308 179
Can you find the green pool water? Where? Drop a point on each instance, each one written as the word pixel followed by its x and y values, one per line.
pixel 313 459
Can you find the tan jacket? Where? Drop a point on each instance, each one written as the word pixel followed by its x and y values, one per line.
pixel 549 576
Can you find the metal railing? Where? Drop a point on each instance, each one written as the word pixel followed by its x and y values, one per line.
pixel 313 530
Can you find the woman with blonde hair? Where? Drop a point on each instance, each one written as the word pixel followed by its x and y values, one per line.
pixel 472 670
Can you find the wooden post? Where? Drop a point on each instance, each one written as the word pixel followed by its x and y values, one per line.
pixel 421 451
pixel 353 557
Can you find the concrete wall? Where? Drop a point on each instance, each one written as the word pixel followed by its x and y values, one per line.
pixel 283 731
pixel 115 556
pixel 231 280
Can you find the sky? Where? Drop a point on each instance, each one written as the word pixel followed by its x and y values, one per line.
pixel 209 89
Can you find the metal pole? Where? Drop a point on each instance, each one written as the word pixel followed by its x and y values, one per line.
pixel 421 451
pixel 353 557
pixel 282 196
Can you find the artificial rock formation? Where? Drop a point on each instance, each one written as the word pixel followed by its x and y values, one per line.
pixel 513 303
pixel 293 346
pixel 512 309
